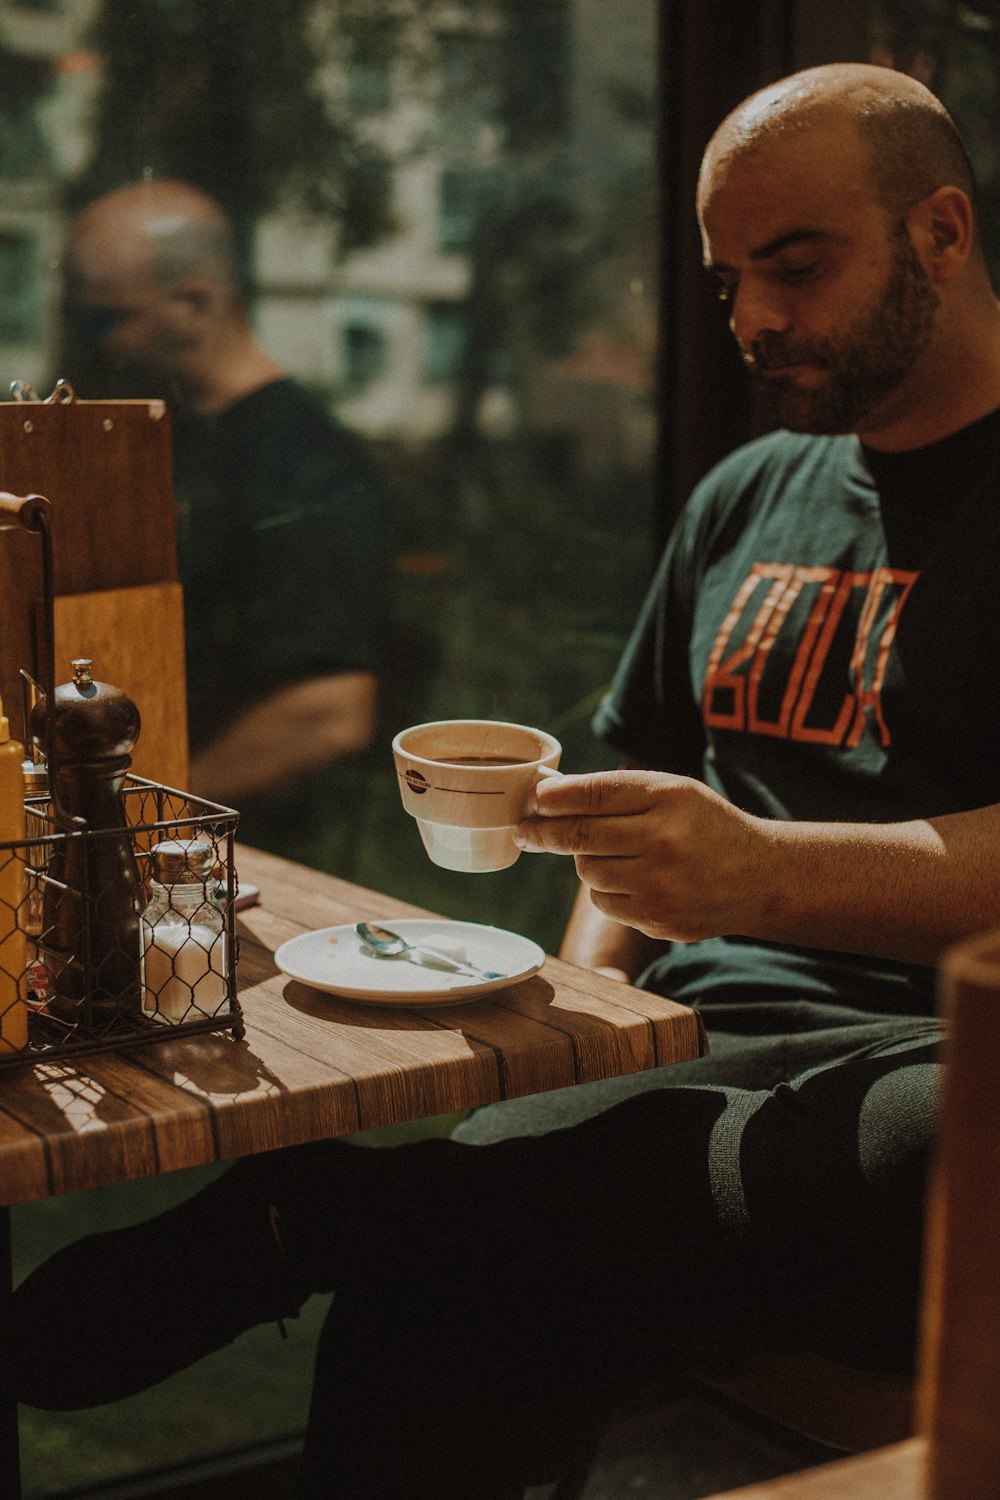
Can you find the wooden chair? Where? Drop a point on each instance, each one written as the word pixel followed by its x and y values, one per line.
pixel 839 1407
pixel 956 1452
pixel 895 1473
pixel 959 1389
pixel 814 1407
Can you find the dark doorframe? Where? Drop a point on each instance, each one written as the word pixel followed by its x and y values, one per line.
pixel 712 54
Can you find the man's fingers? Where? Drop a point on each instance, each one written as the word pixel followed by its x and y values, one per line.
pixel 600 794
pixel 603 838
pixel 616 906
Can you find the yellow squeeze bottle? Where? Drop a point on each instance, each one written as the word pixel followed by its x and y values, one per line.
pixel 13 950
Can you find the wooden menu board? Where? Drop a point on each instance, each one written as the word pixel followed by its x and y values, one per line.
pixel 106 468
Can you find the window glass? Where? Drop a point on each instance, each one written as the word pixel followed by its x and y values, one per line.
pixel 447 222
pixel 465 194
pixel 446 219
pixel 369 65
pixel 447 338
pixel 364 354
pixel 19 312
pixel 468 79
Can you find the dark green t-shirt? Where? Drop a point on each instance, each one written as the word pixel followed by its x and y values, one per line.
pixel 283 534
pixel 284 531
pixel 821 642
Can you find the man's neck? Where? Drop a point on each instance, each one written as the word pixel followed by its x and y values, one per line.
pixel 958 382
pixel 231 367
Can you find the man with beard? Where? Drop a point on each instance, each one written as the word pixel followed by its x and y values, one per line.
pixel 808 818
pixel 283 521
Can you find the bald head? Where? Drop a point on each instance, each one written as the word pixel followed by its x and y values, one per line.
pixel 910 143
pixel 163 231
pixel 154 302
pixel 837 216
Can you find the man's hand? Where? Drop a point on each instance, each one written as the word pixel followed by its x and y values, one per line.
pixel 661 853
pixel 669 857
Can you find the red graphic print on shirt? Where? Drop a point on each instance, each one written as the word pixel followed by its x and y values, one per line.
pixel 803 611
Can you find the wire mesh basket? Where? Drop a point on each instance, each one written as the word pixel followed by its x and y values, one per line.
pixel 100 995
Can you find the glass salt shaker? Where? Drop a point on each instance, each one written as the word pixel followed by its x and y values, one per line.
pixel 185 962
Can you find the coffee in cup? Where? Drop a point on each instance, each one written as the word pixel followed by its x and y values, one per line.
pixel 467 781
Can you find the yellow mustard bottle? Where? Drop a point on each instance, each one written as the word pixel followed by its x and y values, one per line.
pixel 13 951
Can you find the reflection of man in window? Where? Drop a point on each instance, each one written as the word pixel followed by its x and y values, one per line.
pixel 282 521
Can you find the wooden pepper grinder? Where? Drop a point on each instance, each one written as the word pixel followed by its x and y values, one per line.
pixel 93 897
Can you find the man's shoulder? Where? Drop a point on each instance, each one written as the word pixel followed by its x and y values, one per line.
pixel 286 402
pixel 777 473
pixel 784 452
pixel 768 467
pixel 285 426
pixel 279 453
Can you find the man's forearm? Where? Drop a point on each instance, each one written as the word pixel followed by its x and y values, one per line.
pixel 294 731
pixel 670 857
pixel 897 890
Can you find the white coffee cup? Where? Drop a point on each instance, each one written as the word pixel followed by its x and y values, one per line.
pixel 466 781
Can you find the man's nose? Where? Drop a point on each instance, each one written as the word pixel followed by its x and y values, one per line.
pixel 757 309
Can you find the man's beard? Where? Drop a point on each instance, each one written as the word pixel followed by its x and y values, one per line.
pixel 864 367
pixel 97 376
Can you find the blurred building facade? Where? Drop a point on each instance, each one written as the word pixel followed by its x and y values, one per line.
pixel 485 95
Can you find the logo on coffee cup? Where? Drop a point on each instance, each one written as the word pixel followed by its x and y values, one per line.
pixel 415 781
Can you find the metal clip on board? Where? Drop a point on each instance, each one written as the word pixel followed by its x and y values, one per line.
pixel 33 513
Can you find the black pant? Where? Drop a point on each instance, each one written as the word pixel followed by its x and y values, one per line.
pixel 499 1292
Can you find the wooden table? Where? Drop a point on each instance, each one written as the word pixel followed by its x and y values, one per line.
pixel 310 1066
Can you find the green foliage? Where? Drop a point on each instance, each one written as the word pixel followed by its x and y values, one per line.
pixel 227 95
pixel 25 81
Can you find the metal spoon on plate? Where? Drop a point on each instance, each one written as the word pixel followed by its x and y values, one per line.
pixel 389 944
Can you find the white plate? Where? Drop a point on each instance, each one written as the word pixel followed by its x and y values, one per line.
pixel 334 959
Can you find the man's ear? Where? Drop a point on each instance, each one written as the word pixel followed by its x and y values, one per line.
pixel 942 228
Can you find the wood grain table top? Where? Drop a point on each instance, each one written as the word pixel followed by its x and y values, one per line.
pixel 313 1065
